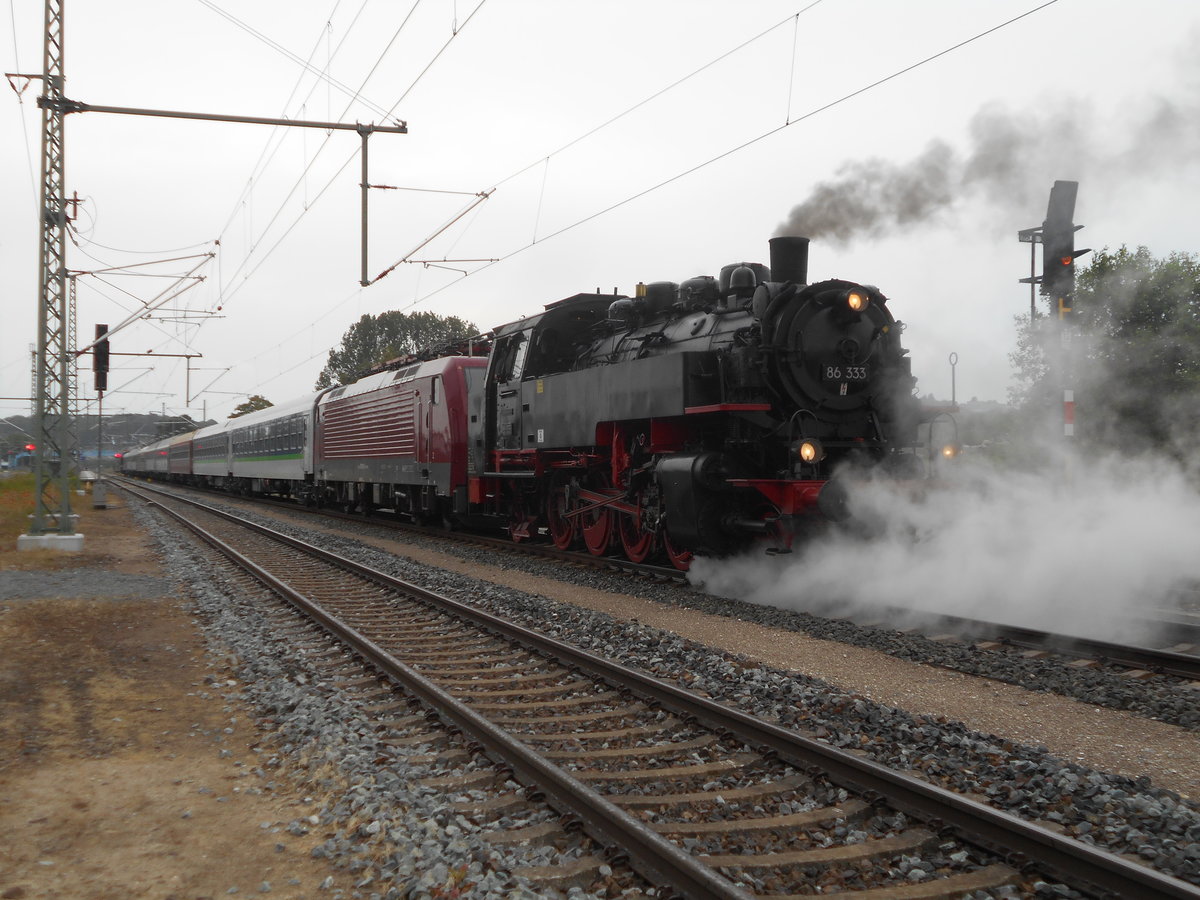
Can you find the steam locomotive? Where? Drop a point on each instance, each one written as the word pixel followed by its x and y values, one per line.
pixel 692 417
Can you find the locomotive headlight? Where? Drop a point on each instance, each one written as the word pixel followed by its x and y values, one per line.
pixel 810 450
pixel 950 451
pixel 857 301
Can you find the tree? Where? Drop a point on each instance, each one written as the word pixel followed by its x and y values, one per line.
pixel 1135 365
pixel 373 340
pixel 250 404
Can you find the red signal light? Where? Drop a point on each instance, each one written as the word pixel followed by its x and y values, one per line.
pixel 31 447
pixel 1066 260
pixel 118 455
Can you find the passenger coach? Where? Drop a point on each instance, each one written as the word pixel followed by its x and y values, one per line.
pixel 396 439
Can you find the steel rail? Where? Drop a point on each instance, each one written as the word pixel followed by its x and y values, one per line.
pixel 1167 662
pixel 653 856
pixel 545 551
pixel 1020 842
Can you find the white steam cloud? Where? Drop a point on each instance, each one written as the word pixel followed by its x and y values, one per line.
pixel 1065 542
pixel 1079 551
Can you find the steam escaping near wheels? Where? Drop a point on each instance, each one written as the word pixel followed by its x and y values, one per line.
pixel 1086 556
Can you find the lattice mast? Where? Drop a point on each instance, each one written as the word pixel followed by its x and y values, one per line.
pixel 52 398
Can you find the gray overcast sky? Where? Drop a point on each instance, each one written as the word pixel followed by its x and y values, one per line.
pixel 951 159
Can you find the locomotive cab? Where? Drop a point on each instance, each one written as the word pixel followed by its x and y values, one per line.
pixel 525 351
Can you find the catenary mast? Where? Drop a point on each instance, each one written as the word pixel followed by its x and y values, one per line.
pixel 52 463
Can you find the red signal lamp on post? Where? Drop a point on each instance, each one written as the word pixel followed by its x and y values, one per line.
pixel 1058 247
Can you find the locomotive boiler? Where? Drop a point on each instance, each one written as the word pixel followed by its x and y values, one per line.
pixel 694 417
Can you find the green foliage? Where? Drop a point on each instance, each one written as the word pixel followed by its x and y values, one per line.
pixel 1031 367
pixel 250 404
pixel 1144 317
pixel 1131 353
pixel 373 340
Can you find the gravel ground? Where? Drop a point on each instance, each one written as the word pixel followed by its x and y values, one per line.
pixel 96 583
pixel 1162 698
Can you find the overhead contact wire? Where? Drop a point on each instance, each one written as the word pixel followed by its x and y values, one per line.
pixel 33 181
pixel 458 30
pixel 304 63
pixel 304 174
pixel 670 87
pixel 546 159
pixel 264 160
pixel 743 145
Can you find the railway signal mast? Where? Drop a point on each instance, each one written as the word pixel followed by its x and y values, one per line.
pixel 1057 281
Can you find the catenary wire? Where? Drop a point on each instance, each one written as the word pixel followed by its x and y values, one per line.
pixel 763 136
pixel 742 146
pixel 350 158
pixel 301 181
pixel 265 158
pixel 670 87
pixel 306 64
pixel 33 183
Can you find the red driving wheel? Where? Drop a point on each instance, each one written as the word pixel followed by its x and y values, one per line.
pixel 597 524
pixel 680 558
pixel 563 529
pixel 638 542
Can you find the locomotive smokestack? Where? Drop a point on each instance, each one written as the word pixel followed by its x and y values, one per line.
pixel 789 259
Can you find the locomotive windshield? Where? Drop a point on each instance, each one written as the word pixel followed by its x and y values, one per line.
pixel 509 358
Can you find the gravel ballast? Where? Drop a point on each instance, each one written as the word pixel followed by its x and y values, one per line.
pixel 399 838
pixel 1121 814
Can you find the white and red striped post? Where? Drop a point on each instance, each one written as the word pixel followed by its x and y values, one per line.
pixel 1068 413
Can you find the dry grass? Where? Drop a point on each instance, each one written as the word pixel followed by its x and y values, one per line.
pixel 16 506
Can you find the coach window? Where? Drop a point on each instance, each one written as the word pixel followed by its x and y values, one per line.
pixel 435 390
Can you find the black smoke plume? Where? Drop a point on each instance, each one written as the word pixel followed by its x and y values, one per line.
pixel 1010 162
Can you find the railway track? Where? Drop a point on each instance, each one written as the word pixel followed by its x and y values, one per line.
pixel 698 797
pixel 534 548
pixel 1180 659
pixel 1179 655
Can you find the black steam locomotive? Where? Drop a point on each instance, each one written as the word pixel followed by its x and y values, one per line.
pixel 693 417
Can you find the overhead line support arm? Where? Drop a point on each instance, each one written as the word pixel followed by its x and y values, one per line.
pixel 63 106
pixel 73 106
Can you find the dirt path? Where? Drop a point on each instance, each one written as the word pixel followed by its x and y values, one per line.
pixel 124 771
